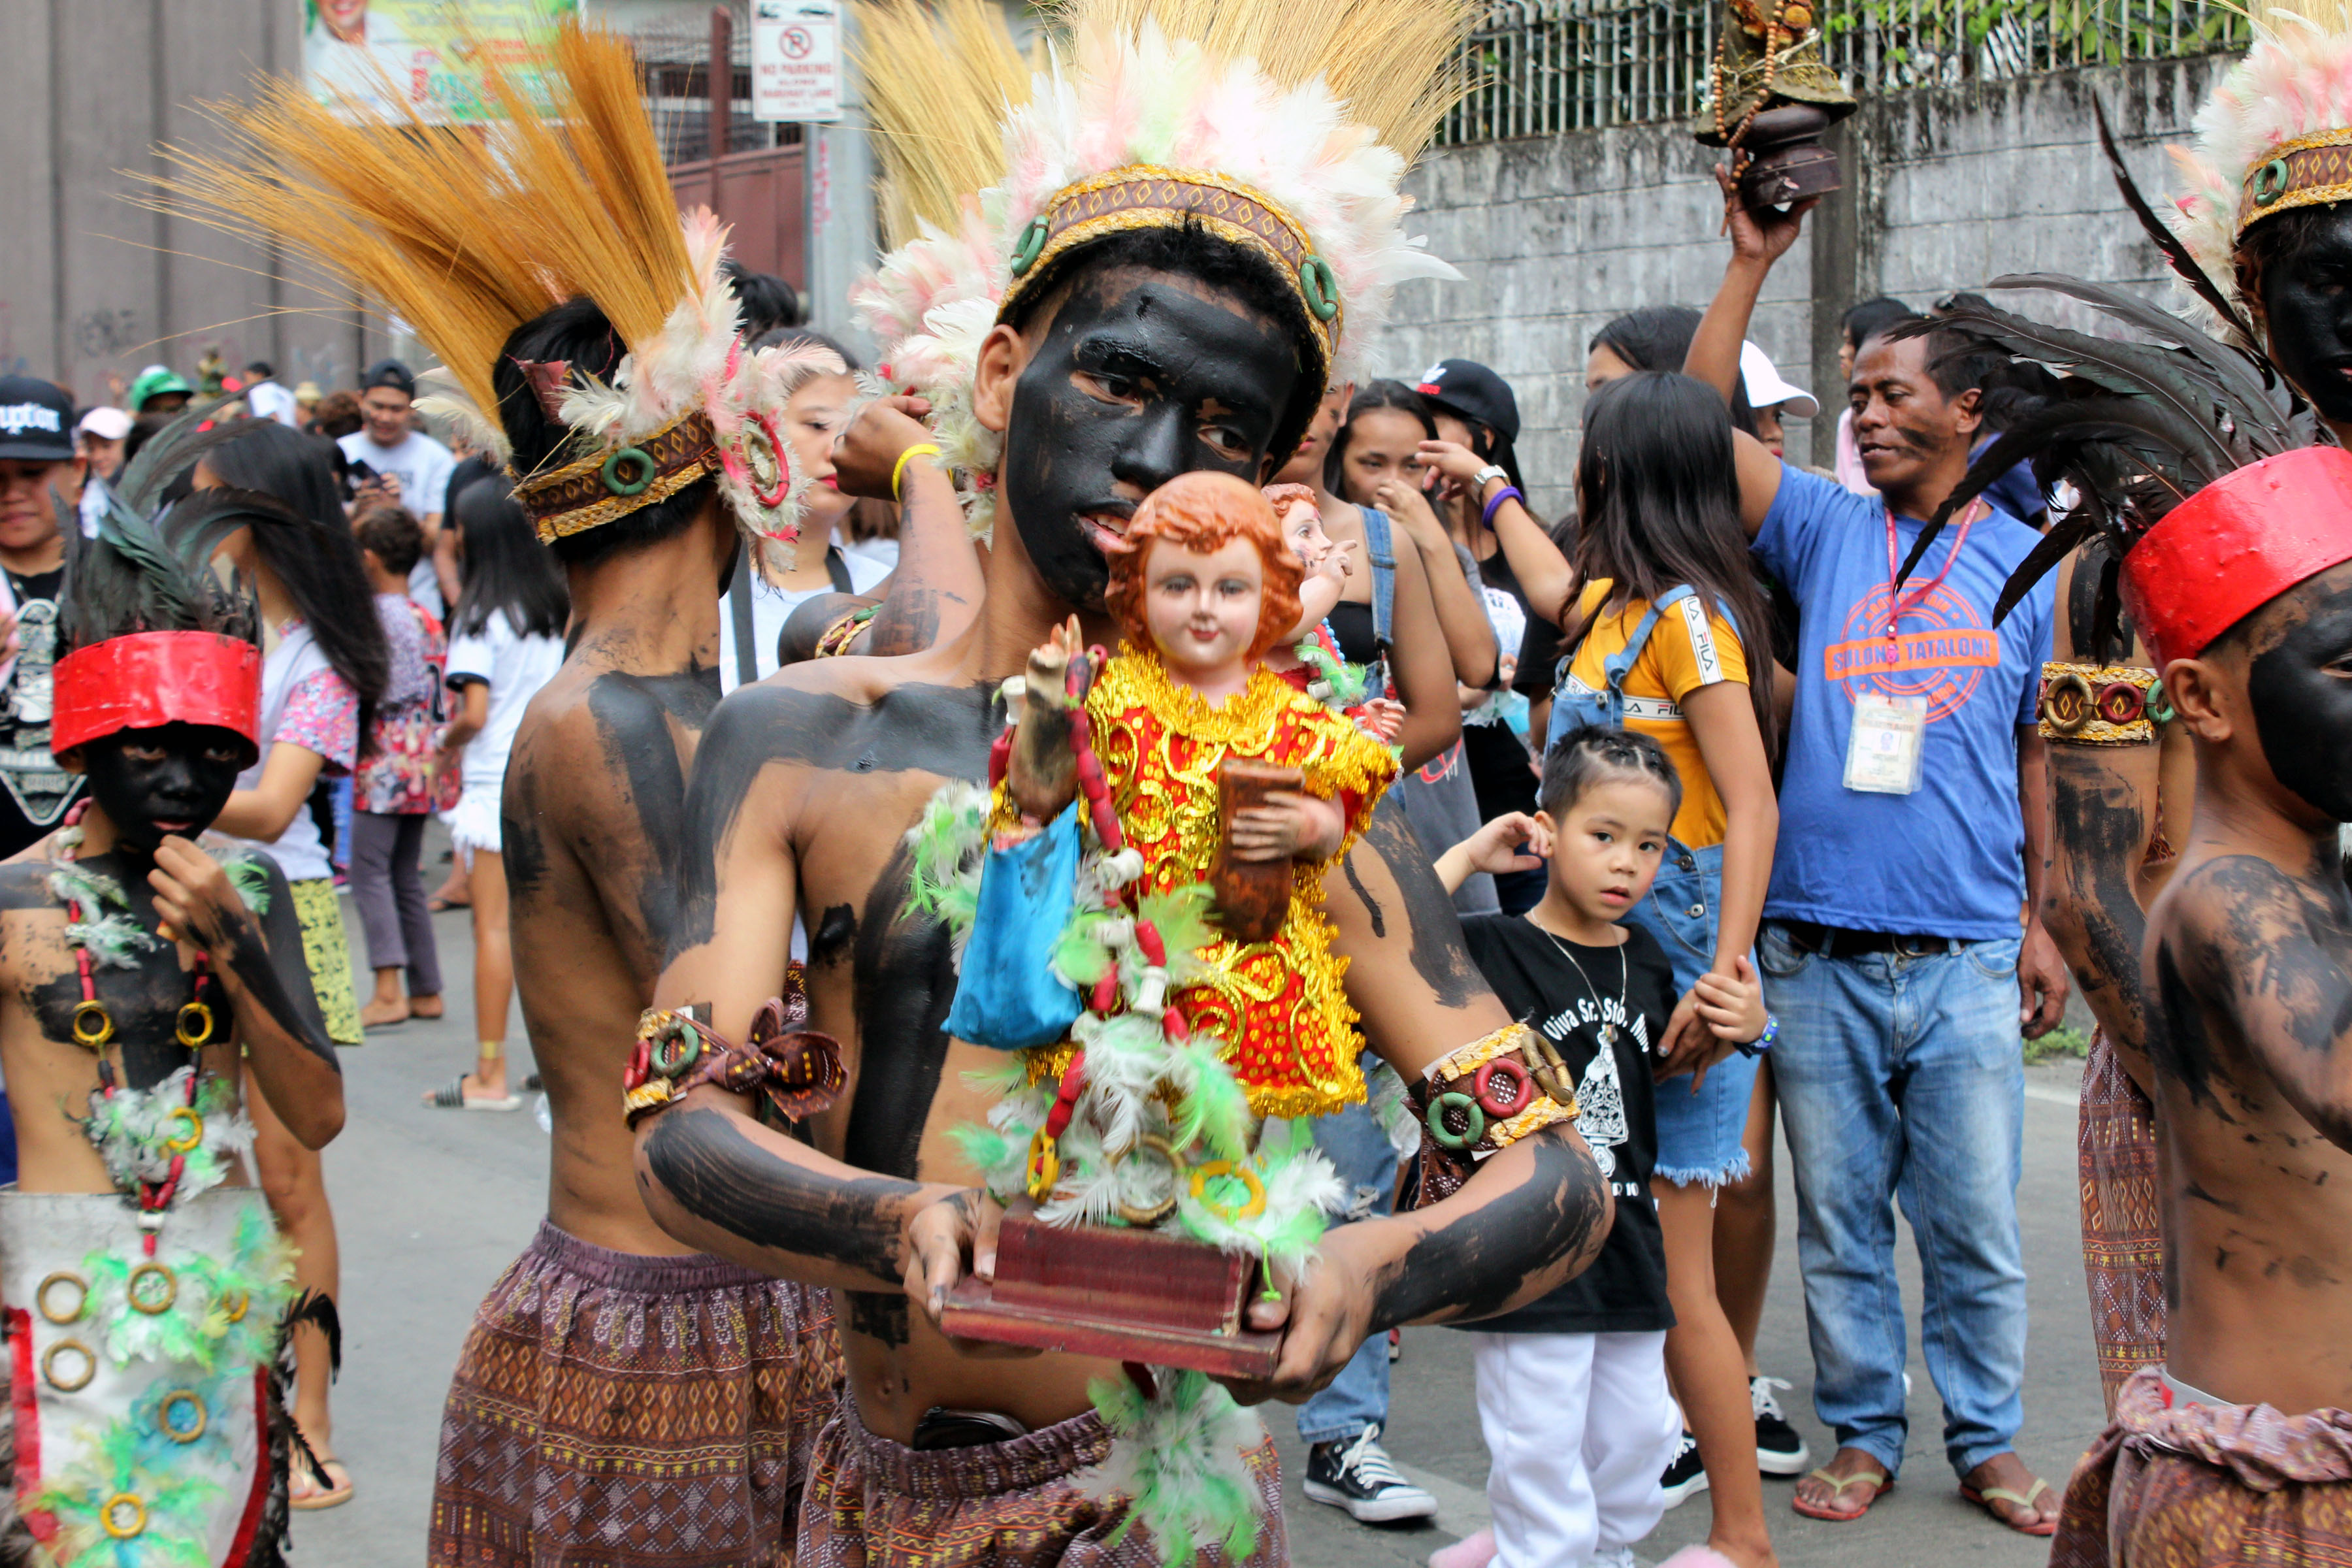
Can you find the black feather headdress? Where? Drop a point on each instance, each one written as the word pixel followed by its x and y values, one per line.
pixel 2133 424
pixel 149 566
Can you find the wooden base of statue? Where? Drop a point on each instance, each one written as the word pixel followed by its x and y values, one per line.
pixel 1147 1296
pixel 1788 163
pixel 1253 897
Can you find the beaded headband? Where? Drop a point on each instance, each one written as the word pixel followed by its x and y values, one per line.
pixel 1140 196
pixel 2310 171
pixel 604 486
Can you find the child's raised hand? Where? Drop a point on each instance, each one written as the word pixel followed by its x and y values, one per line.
pixel 1732 1006
pixel 1288 826
pixel 1381 717
pixel 1512 842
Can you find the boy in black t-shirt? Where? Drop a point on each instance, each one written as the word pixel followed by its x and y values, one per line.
pixel 1572 1394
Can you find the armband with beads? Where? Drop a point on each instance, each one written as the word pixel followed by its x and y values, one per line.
pixel 796 1072
pixel 2101 705
pixel 1479 1100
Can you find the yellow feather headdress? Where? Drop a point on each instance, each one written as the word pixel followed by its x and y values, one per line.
pixel 467 233
pixel 1284 127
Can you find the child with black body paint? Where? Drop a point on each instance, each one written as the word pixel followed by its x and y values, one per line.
pixel 1572 1397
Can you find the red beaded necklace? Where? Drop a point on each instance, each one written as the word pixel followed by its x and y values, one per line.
pixel 93 1030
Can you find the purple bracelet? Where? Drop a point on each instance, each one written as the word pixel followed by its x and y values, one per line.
pixel 1495 504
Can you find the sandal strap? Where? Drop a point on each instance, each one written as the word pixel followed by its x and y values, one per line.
pixel 451 1096
pixel 1838 1484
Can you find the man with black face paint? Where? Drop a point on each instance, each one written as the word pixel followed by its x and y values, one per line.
pixel 1196 329
pixel 143 985
pixel 2260 208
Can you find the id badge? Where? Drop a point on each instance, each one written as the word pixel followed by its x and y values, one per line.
pixel 1882 757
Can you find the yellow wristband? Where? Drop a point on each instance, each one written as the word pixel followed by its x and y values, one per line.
pixel 919 449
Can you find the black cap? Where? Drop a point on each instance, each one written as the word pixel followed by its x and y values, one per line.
pixel 389 373
pixel 1468 389
pixel 36 420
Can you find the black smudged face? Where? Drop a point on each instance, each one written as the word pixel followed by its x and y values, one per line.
pixel 2307 310
pixel 173 778
pixel 1142 377
pixel 2300 689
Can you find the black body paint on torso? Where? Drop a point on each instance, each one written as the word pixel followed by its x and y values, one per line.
pixel 905 982
pixel 2177 1044
pixel 1477 1263
pixel 1440 956
pixel 941 730
pixel 835 930
pixel 632 715
pixel 704 1161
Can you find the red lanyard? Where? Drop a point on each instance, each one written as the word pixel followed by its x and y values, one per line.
pixel 1898 602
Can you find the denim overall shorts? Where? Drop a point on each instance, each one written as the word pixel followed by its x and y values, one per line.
pixel 1699 1133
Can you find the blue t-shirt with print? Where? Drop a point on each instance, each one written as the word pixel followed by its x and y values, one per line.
pixel 1947 860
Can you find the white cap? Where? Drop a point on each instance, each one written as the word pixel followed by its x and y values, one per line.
pixel 1766 388
pixel 106 424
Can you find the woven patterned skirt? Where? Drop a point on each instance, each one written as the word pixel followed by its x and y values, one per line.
pixel 629 1412
pixel 874 1503
pixel 2169 1485
pixel 2123 1237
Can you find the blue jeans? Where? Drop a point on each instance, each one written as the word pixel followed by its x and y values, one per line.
pixel 1359 1397
pixel 1902 1077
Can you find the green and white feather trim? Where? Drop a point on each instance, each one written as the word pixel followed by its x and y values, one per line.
pixel 106 931
pixel 250 878
pixel 948 843
pixel 1181 1460
pixel 1300 1189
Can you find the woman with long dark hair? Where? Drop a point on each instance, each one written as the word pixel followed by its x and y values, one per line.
pixel 320 684
pixel 1667 628
pixel 506 641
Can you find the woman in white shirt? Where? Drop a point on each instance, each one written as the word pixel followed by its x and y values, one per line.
pixel 506 641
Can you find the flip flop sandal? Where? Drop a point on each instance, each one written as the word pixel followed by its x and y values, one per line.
pixel 452 1096
pixel 1985 1497
pixel 1880 1484
pixel 337 1494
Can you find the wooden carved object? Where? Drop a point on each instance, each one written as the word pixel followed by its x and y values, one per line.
pixel 1251 897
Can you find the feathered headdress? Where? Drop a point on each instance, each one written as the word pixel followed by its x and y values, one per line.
pixel 1282 127
pixel 467 237
pixel 2275 135
pixel 2189 456
pixel 148 634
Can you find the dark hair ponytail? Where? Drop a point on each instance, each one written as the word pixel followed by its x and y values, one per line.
pixel 1590 754
pixel 1658 497
pixel 505 569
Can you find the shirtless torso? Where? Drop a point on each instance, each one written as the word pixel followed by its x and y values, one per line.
pixel 2248 963
pixel 801 794
pixel 595 795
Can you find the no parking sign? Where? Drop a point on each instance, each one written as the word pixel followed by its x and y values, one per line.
pixel 796 59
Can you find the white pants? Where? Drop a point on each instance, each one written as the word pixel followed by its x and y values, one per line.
pixel 1579 1428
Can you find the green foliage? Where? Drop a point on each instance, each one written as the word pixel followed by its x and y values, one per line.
pixel 2061 1042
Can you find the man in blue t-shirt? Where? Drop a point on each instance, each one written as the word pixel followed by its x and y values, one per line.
pixel 1902 946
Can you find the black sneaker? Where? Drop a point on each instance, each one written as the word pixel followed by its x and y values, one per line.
pixel 1685 1477
pixel 1780 1451
pixel 1360 1477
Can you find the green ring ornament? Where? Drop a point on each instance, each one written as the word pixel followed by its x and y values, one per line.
pixel 2158 707
pixel 646 470
pixel 1320 287
pixel 2271 181
pixel 676 1051
pixel 1030 245
pixel 1474 1121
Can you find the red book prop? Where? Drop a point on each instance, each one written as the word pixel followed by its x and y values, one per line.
pixel 1147 1296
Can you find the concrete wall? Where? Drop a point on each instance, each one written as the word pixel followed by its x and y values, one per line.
pixel 1946 188
pixel 90 285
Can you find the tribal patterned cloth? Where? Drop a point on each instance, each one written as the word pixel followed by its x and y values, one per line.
pixel 874 1503
pixel 622 1410
pixel 2123 1234
pixel 2196 1486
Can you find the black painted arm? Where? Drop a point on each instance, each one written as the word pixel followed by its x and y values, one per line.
pixel 259 963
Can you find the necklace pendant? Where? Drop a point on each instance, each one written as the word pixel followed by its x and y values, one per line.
pixel 1608 1033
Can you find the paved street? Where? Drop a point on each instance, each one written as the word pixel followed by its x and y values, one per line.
pixel 432 1205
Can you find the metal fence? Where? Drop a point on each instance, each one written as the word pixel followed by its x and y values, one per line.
pixel 674 56
pixel 1546 66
